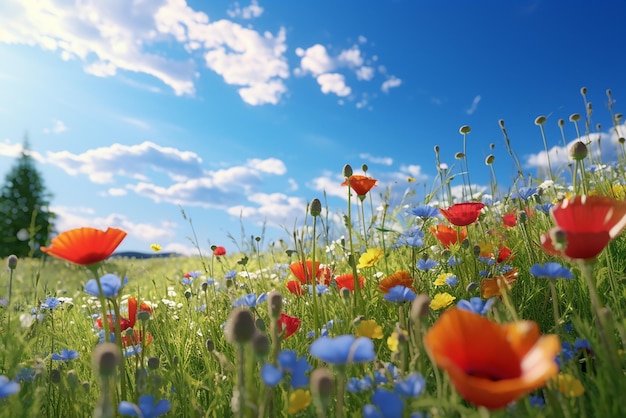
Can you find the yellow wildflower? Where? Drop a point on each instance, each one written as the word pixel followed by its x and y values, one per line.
pixel 618 191
pixel 298 400
pixel 394 340
pixel 568 385
pixel 486 248
pixel 370 257
pixel 370 329
pixel 441 279
pixel 441 300
pixel 155 247
pixel 411 179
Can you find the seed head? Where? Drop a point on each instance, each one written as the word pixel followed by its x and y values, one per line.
pixel 490 159
pixel 583 90
pixel 316 207
pixel 574 117
pixel 540 120
pixel 465 129
pixel 210 345
pixel 501 123
pixel 561 122
pixel 459 155
pixel 106 358
pixel 12 262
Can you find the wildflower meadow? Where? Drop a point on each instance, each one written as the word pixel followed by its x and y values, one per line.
pixel 507 304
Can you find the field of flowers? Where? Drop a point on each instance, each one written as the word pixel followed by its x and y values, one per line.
pixel 502 305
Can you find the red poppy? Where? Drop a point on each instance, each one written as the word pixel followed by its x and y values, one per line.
pixel 510 361
pixel 504 254
pixel 219 251
pixel 399 278
pixel 585 225
pixel 463 214
pixel 85 246
pixel 288 324
pixel 510 219
pixel 295 287
pixel 347 281
pixel 305 275
pixel 448 236
pixel 360 184
pixel 126 323
pixel 324 275
pixel 492 286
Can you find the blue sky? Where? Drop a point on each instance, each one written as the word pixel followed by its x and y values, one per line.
pixel 250 110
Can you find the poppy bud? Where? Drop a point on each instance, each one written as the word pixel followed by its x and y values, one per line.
pixel 347 170
pixel 471 286
pixel 420 307
pixel 106 357
pixel 210 345
pixel 356 321
pixel 465 129
pixel 490 159
pixel 240 326
pixel 316 207
pixel 574 117
pixel 364 167
pixel 55 376
pixel 437 148
pixel 561 122
pixel 578 151
pixel 153 363
pixel 322 385
pixel 143 316
pixel 187 294
pixel 345 293
pixel 12 262
pixel 275 303
pixel 260 324
pixel 618 117
pixel 459 155
pixel 621 140
pixel 540 120
pixel 204 286
pixel 260 343
pixel 501 123
pixel 583 90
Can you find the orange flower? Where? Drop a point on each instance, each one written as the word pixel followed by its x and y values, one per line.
pixel 85 246
pixel 463 214
pixel 137 336
pixel 585 225
pixel 295 287
pixel 493 286
pixel 399 278
pixel 347 281
pixel 489 364
pixel 305 275
pixel 447 236
pixel 360 184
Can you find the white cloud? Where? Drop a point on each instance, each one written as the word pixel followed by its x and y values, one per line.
pixel 116 191
pixel 274 208
pixel 350 57
pixel 101 165
pixel 15 150
pixel 365 73
pixel 248 12
pixel 120 35
pixel 331 184
pixel 72 217
pixel 390 83
pixel 474 105
pixel 293 185
pixel 377 160
pixel 362 39
pixel 315 60
pixel 58 126
pixel 333 83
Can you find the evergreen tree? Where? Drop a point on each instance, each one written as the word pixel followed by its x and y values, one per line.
pixel 25 219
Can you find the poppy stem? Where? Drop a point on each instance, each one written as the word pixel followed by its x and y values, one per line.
pixel 118 341
pixel 363 222
pixel 555 306
pixel 351 258
pixel 103 306
pixel 314 281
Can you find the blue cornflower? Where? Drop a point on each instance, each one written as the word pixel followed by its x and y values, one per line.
pixel 454 261
pixel 186 281
pixel 400 294
pixel 194 274
pixel 321 289
pixel 230 274
pixel 385 404
pixel 356 385
pixel 582 344
pixel 545 208
pixel 476 305
pixel 111 286
pixel 26 374
pixel 7 387
pixel 250 300
pixel 452 281
pixel 50 303
pixel 343 349
pixel 288 361
pixel 427 264
pixel 146 407
pixel 567 353
pixel 537 401
pixel 412 386
pixel 525 193
pixel 490 261
pixel 412 238
pixel 66 355
pixel 424 211
pixel 551 271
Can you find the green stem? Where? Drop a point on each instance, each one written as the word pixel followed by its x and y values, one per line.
pixel 118 340
pixel 352 260
pixel 314 281
pixel 555 306
pixel 103 306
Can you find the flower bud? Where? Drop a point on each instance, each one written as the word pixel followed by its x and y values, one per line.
pixel 316 207
pixel 12 262
pixel 347 170
pixel 437 148
pixel 420 307
pixel 106 358
pixel 260 344
pixel 275 303
pixel 471 286
pixel 621 140
pixel 578 151
pixel 345 293
pixel 501 123
pixel 154 363
pixel 540 120
pixel 574 117
pixel 459 155
pixel 187 294
pixel 209 345
pixel 364 167
pixel 55 376
pixel 561 122
pixel 260 324
pixel 465 129
pixel 240 326
pixel 583 90
pixel 143 316
pixel 490 159
pixel 618 117
pixel 322 383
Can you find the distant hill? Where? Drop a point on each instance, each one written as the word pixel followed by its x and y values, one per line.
pixel 138 255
